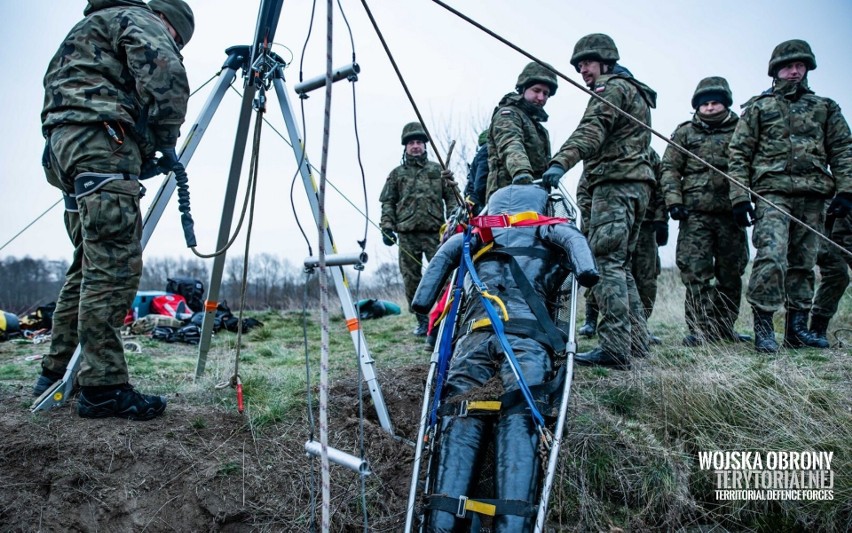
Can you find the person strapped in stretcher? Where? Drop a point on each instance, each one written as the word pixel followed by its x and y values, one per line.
pixel 510 266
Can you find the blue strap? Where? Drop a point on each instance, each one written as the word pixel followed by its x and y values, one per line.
pixel 497 325
pixel 445 348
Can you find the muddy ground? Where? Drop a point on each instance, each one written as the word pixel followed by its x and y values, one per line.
pixel 200 468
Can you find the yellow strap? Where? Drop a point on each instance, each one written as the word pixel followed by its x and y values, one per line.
pixel 483 405
pixel 483 250
pixel 499 303
pixel 481 323
pixel 480 507
pixel 518 217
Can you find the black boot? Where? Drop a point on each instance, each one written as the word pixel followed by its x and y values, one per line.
pixel 796 334
pixel 422 325
pixel 819 327
pixel 693 339
pixel 601 357
pixel 591 326
pixel 764 332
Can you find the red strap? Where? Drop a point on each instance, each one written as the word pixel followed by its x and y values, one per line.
pixel 483 224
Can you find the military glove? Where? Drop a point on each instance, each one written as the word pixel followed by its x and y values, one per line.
pixel 661 229
pixel 388 237
pixel 744 214
pixel 167 160
pixel 678 212
pixel 447 174
pixel 552 175
pixel 841 206
pixel 161 165
pixel 522 179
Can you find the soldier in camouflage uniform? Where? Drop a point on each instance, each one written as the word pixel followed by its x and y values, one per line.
pixel 834 268
pixel 782 148
pixel 518 143
pixel 415 200
pixel 645 264
pixel 710 245
pixel 616 156
pixel 115 93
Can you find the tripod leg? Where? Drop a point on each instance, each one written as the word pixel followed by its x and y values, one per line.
pixel 337 274
pixel 225 229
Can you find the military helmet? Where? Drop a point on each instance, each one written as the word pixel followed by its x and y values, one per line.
pixel 179 15
pixel 413 131
pixel 537 73
pixel 790 51
pixel 712 88
pixel 595 46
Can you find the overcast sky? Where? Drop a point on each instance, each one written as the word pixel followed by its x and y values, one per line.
pixel 455 72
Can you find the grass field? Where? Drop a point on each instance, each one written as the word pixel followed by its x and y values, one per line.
pixel 630 459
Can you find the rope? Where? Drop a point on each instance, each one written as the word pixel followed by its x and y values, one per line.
pixel 30 224
pixel 445 166
pixel 638 122
pixel 323 281
pixel 309 395
pixel 357 296
pixel 235 381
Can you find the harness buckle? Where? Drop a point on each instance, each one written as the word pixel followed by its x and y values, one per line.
pixel 461 512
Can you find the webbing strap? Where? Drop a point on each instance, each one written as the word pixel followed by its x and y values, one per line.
pixel 497 324
pixel 470 407
pixel 88 182
pixel 70 201
pixel 484 506
pixel 555 335
pixel 483 224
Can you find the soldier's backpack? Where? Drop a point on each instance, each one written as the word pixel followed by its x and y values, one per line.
pixel 191 289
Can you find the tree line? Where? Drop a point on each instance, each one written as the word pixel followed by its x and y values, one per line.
pixel 271 282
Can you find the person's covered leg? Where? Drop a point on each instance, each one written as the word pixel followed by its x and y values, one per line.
pixel 460 441
pixel 613 233
pixel 516 439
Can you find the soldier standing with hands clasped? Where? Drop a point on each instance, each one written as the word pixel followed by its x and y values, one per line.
pixel 710 245
pixel 415 200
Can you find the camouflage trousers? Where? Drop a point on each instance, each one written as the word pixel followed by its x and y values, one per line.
pixel 614 227
pixel 645 268
pixel 834 268
pixel 782 273
pixel 413 247
pixel 106 266
pixel 712 254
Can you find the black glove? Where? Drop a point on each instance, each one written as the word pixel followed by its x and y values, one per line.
pixel 552 175
pixel 388 237
pixel 744 214
pixel 841 206
pixel 522 179
pixel 678 212
pixel 161 165
pixel 662 233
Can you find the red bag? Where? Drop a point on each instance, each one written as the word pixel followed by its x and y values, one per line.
pixel 173 305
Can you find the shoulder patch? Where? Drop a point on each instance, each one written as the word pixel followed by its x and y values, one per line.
pixel 506 112
pixel 600 88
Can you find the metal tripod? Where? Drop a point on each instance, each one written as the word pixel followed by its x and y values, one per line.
pixel 263 69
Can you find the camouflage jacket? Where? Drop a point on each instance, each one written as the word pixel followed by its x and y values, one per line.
pixel 656 211
pixel 612 147
pixel 787 146
pixel 517 142
pixel 414 197
pixel 690 183
pixel 118 64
